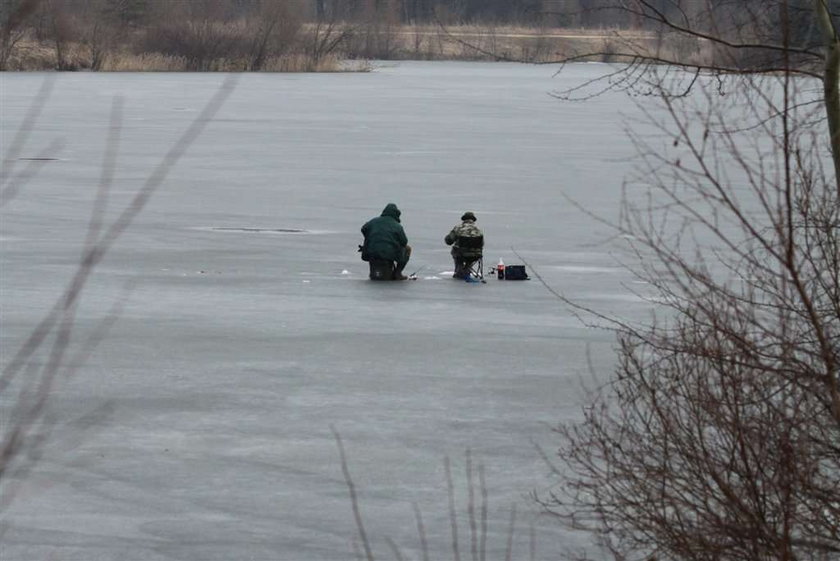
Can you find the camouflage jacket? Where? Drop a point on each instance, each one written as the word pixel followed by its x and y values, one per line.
pixel 466 229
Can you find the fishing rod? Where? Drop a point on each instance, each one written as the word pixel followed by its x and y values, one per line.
pixel 414 274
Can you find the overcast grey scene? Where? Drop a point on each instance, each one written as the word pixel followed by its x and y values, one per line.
pixel 232 327
pixel 200 425
pixel 231 334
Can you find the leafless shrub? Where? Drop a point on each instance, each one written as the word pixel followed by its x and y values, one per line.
pixel 537 49
pixel 98 39
pixel 717 437
pixel 202 43
pixel 417 42
pixel 376 36
pixel 100 30
pixel 610 52
pixel 13 16
pixel 272 32
pixel 326 39
pixel 476 510
pixel 144 62
pixel 236 35
pixel 58 26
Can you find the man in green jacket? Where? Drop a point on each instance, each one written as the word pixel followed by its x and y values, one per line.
pixel 385 241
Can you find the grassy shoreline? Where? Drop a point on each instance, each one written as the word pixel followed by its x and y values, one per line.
pixel 354 46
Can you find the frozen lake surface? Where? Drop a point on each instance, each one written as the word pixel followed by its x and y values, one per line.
pixel 199 428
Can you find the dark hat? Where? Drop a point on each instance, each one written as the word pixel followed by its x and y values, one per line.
pixel 468 216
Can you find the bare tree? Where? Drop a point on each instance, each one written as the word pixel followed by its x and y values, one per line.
pixel 13 16
pixel 60 28
pixel 100 26
pixel 379 28
pixel 199 32
pixel 328 34
pixel 275 28
pixel 718 436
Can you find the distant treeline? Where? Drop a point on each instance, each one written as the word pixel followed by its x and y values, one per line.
pixel 288 35
pixel 562 13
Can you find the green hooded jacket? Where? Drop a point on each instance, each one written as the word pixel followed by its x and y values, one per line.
pixel 385 238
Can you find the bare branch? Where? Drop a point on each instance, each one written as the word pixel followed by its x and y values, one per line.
pixel 354 500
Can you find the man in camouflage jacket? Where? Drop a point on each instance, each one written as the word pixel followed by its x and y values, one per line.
pixel 463 256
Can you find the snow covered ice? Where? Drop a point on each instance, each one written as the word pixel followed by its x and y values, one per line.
pixel 200 427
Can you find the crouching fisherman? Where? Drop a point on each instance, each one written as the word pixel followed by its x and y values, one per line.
pixel 386 246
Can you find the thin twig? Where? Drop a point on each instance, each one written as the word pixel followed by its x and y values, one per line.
pixel 106 179
pixel 394 548
pixel 483 486
pixel 354 500
pixel 532 542
pixel 511 531
pixel 421 532
pixel 453 521
pixel 471 508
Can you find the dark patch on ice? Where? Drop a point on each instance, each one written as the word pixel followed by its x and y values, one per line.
pixel 260 230
pixel 264 231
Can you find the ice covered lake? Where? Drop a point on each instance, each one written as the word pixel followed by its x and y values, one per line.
pixel 199 428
